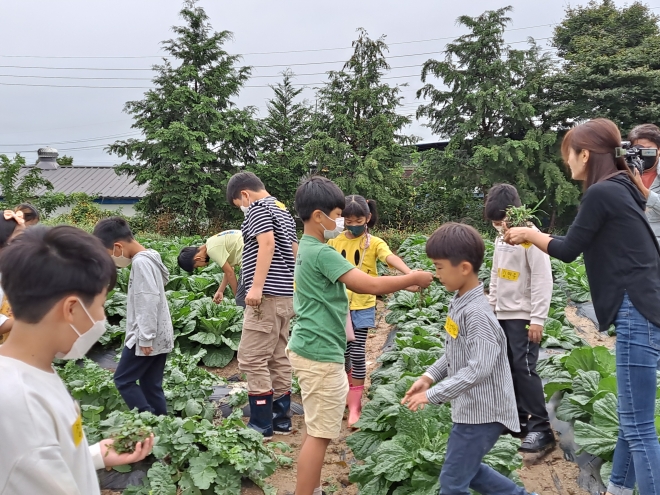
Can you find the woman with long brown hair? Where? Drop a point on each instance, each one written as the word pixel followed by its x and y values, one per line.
pixel 622 258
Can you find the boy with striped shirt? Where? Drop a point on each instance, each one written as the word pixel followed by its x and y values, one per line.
pixel 474 373
pixel 269 248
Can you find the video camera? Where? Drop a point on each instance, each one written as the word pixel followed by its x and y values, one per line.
pixel 637 158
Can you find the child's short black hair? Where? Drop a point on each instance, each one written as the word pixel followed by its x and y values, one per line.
pixel 186 258
pixel 457 242
pixel 7 228
pixel 30 212
pixel 70 262
pixel 357 206
pixel 318 193
pixel 243 181
pixel 111 230
pixel 499 198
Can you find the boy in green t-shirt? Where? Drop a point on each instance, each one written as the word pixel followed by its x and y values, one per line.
pixel 226 250
pixel 318 341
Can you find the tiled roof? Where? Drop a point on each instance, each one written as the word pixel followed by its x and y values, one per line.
pixel 102 182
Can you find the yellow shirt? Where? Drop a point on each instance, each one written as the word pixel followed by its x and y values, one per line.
pixel 226 247
pixel 352 250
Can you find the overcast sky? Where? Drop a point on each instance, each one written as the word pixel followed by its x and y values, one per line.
pixel 46 44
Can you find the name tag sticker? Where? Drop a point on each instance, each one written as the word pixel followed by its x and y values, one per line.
pixel 77 430
pixel 508 274
pixel 451 327
pixel 527 245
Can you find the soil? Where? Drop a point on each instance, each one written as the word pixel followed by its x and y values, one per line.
pixel 547 474
pixel 587 330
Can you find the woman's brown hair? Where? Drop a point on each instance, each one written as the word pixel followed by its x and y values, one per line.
pixel 600 137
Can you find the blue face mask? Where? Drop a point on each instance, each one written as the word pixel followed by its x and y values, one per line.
pixel 356 230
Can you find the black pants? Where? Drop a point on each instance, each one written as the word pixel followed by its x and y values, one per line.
pixel 148 395
pixel 523 355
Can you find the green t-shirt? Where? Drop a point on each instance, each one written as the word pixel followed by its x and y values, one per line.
pixel 226 247
pixel 320 302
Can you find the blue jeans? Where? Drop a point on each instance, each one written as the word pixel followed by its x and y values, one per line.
pixel 637 453
pixel 463 469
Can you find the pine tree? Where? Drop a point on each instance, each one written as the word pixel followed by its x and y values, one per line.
pixel 194 136
pixel 490 106
pixel 359 139
pixel 285 131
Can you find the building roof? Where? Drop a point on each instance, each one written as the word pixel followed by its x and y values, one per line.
pixel 102 182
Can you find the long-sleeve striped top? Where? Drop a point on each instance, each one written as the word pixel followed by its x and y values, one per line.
pixel 474 373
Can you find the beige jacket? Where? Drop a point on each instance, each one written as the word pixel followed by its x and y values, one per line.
pixel 520 283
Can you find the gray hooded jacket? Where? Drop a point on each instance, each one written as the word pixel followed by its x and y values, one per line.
pixel 148 320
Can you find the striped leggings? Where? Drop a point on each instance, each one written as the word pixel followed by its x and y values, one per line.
pixel 355 356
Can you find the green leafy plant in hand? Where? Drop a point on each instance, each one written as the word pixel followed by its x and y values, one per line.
pixel 127 430
pixel 520 216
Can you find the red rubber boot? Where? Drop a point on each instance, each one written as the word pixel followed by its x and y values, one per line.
pixel 354 404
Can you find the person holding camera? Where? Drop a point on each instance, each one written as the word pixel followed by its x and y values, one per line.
pixel 622 259
pixel 647 136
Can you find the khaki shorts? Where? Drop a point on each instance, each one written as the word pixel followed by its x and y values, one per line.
pixel 324 388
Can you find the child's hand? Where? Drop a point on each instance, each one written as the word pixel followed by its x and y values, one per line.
pixel 254 297
pixel 218 297
pixel 146 350
pixel 423 279
pixel 422 384
pixel 412 288
pixel 415 402
pixel 112 458
pixel 535 333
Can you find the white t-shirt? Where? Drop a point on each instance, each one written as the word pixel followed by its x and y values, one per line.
pixel 42 448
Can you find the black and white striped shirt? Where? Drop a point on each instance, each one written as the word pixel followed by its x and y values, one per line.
pixel 474 373
pixel 264 216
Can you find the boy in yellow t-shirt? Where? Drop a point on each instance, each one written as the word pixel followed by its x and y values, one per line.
pixel 226 249
pixel 363 251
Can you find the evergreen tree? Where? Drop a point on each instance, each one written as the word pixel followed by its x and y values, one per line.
pixel 489 104
pixel 285 131
pixel 611 65
pixel 194 136
pixel 359 139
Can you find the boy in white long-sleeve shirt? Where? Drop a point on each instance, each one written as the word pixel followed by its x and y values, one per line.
pixel 58 311
pixel 520 293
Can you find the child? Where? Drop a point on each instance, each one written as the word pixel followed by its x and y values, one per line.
pixel 520 294
pixel 363 251
pixel 30 214
pixel 149 332
pixel 11 224
pixel 59 313
pixel 318 341
pixel 473 374
pixel 270 244
pixel 226 249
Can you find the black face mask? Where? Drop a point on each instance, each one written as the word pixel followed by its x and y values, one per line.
pixel 356 230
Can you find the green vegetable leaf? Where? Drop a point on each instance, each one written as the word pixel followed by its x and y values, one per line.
pixel 202 470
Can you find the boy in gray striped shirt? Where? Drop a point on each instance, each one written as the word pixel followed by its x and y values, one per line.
pixel 474 374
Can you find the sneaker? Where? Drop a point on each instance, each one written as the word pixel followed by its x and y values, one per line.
pixel 538 441
pixel 522 434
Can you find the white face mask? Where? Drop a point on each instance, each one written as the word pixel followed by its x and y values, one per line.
pixel 121 261
pixel 245 209
pixel 499 228
pixel 339 228
pixel 86 340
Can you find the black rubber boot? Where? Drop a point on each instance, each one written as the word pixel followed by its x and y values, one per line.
pixel 282 415
pixel 261 413
pixel 538 441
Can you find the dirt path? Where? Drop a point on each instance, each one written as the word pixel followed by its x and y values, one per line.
pixel 588 330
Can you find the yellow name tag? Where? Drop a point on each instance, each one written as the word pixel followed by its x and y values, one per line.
pixel 451 327
pixel 527 245
pixel 508 274
pixel 77 430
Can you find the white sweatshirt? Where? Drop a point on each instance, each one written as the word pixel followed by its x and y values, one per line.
pixel 42 448
pixel 520 283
